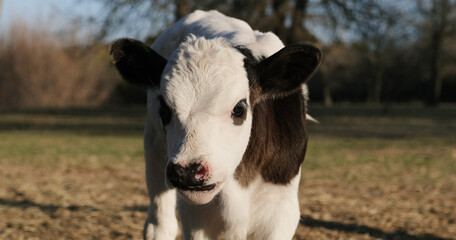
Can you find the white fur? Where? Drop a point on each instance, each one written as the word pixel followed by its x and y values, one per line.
pixel 161 222
pixel 202 129
pixel 202 97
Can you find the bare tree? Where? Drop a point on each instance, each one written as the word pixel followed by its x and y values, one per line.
pixel 287 18
pixel 372 24
pixel 182 8
pixel 377 26
pixel 380 37
pixel 439 23
pixel 135 18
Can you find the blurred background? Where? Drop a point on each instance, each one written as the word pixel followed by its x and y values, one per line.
pixel 381 164
pixel 53 53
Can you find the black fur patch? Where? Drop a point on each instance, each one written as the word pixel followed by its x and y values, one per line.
pixel 247 53
pixel 137 62
pixel 278 140
pixel 286 70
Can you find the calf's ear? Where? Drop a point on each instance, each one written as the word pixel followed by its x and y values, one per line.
pixel 285 71
pixel 137 62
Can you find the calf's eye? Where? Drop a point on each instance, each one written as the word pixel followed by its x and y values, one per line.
pixel 239 112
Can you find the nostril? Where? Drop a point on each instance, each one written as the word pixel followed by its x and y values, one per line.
pixel 182 177
pixel 202 171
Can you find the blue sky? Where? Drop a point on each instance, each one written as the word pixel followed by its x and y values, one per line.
pixel 51 15
pixel 56 16
pixel 32 12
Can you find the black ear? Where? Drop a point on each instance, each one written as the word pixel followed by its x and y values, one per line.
pixel 285 71
pixel 137 62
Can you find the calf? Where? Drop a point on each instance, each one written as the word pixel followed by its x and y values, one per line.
pixel 225 127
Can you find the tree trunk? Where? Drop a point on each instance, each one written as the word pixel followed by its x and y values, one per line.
pixel 327 95
pixel 280 8
pixel 434 69
pixel 369 88
pixel 327 98
pixel 441 22
pixel 182 8
pixel 297 31
pixel 378 84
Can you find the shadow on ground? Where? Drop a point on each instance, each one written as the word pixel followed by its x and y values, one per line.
pixel 306 221
pixel 363 229
pixel 23 204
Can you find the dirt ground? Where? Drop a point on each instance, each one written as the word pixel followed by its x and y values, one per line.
pixel 69 202
pixel 79 175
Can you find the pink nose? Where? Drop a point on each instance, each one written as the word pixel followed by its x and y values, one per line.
pixel 202 172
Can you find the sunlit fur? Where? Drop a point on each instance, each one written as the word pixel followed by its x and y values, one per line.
pixel 202 82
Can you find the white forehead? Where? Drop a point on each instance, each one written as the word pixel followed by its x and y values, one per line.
pixel 204 75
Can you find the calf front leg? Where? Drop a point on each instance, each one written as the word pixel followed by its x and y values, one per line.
pixel 161 222
pixel 199 222
pixel 276 211
pixel 235 209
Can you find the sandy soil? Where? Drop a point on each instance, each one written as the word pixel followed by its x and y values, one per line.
pixel 69 202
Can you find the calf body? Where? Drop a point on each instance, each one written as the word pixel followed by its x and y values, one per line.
pixel 225 127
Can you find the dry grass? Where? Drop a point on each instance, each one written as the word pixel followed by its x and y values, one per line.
pixel 41 70
pixel 78 174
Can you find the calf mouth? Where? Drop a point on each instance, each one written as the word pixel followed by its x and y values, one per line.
pixel 200 188
pixel 200 194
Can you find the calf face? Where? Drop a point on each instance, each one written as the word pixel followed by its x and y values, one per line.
pixel 208 90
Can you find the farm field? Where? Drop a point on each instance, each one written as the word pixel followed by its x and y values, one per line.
pixel 78 174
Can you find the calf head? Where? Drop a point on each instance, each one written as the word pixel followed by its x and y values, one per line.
pixel 208 90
